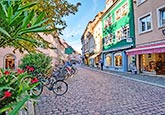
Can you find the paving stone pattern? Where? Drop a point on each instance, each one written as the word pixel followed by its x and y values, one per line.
pixel 97 93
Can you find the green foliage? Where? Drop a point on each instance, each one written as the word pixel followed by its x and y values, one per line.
pixel 55 11
pixel 14 87
pixel 40 62
pixel 19 105
pixel 19 26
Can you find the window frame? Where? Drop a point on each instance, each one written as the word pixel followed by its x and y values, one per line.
pixel 118 54
pixel 118 35
pixel 118 14
pixel 125 9
pixel 139 2
pixel 108 39
pixel 108 55
pixel 159 17
pixel 140 25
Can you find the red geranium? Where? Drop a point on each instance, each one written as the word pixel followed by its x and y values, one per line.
pixel 6 72
pixel 34 80
pixel 7 94
pixel 27 67
pixel 31 69
pixel 19 71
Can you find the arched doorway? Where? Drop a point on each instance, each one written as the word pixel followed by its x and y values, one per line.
pixel 9 61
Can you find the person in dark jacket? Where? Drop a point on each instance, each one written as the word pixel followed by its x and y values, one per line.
pixel 101 64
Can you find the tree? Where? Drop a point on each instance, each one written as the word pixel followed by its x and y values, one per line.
pixel 20 23
pixel 55 10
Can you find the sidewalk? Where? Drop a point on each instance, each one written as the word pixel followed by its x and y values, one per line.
pixel 149 79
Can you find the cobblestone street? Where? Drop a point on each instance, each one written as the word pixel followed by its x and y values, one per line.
pixel 97 93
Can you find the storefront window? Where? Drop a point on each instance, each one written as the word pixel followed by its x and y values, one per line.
pixel 153 62
pixel 118 59
pixel 108 60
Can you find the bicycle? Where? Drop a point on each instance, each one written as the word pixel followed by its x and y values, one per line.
pixel 59 87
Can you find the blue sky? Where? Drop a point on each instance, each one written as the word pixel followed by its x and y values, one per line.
pixel 78 22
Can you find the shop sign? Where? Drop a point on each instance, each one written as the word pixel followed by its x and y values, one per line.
pixel 129 39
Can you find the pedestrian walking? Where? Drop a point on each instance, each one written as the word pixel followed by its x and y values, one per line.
pixel 101 64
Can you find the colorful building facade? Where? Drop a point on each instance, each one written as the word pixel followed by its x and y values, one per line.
pixel 150 36
pixel 87 41
pixel 97 35
pixel 92 41
pixel 118 34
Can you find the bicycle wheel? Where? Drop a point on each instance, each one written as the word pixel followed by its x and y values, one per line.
pixel 33 89
pixel 36 91
pixel 76 70
pixel 60 87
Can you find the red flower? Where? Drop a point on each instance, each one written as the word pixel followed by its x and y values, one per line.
pixel 27 67
pixel 6 72
pixel 31 69
pixel 7 94
pixel 19 71
pixel 34 80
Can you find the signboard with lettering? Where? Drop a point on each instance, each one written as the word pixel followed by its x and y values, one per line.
pixel 129 39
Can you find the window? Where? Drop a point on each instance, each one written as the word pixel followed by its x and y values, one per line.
pixel 140 2
pixel 109 3
pixel 118 14
pixel 10 61
pixel 161 16
pixel 124 9
pixel 118 35
pixel 108 39
pixel 108 60
pixel 145 23
pixel 125 32
pixel 118 59
pixel 107 22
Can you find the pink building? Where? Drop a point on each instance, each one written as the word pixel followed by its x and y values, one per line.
pixel 11 60
pixel 150 36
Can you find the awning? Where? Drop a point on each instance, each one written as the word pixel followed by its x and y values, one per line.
pixel 94 55
pixel 147 49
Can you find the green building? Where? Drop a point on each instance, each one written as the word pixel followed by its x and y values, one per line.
pixel 118 34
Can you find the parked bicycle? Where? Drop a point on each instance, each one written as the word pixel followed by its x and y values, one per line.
pixel 64 72
pixel 59 87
